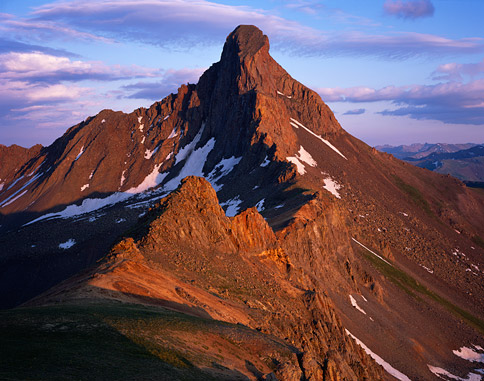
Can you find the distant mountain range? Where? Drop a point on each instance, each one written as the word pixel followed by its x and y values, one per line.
pixel 464 161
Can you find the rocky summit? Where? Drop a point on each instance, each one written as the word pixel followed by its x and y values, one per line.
pixel 235 230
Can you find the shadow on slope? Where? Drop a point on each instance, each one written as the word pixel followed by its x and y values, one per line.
pixel 110 341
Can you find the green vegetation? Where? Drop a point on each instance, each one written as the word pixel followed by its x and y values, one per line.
pixel 104 342
pixel 417 290
pixel 114 341
pixel 414 194
pixel 478 241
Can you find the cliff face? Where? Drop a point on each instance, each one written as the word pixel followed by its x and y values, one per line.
pixel 188 256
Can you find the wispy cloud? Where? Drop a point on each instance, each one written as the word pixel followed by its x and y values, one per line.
pixel 357 111
pixel 170 82
pixel 409 9
pixel 184 23
pixel 450 102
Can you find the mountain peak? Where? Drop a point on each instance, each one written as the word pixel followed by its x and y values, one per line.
pixel 245 41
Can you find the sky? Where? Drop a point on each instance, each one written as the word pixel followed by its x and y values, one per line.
pixel 393 71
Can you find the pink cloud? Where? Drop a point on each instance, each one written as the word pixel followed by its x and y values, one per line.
pixel 49 68
pixel 450 102
pixel 409 9
pixel 456 72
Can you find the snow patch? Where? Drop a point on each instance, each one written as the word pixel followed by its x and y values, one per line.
pixel 152 180
pixel 355 304
pixel 67 245
pixel 383 259
pixel 166 117
pixel 140 118
pixel 103 121
pixel 469 354
pixel 232 206
pixel 287 96
pixel 91 175
pixel 149 154
pixel 260 205
pixel 119 220
pixel 388 368
pixel 80 153
pixel 303 156
pixel 331 186
pixel 300 166
pixel 266 162
pixel 320 138
pixel 172 134
pixel 143 140
pixel 444 374
pixel 223 168
pixel 426 268
pixel 14 196
pixel 14 199
pixel 123 179
pixel 194 163
pixel 15 182
pixel 84 187
pixel 306 157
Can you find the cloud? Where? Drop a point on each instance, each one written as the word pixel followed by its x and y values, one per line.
pixel 449 102
pixel 456 72
pixel 171 81
pixel 38 66
pixel 409 9
pixel 9 46
pixel 184 23
pixel 358 111
pixel 43 30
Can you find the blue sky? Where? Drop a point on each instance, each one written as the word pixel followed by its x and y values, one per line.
pixel 393 71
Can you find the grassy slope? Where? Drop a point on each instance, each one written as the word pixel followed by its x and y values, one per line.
pixel 118 342
pixel 412 287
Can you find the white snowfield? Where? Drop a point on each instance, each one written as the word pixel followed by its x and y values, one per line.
pixel 194 161
pixel 294 121
pixel 446 375
pixel 260 205
pixel 470 354
pixel 223 168
pixel 67 245
pixel 355 304
pixel 302 156
pixel 331 186
pixel 388 368
pixel 232 206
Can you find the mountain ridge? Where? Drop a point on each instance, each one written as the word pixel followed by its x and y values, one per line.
pixel 309 211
